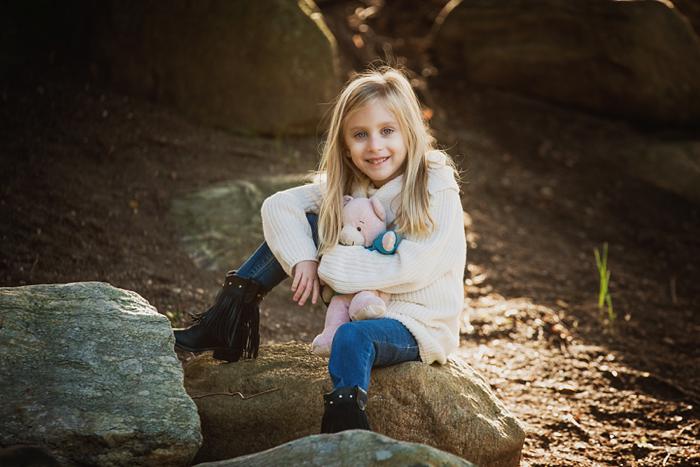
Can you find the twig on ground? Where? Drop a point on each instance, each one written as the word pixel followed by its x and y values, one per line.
pixel 687 427
pixel 571 420
pixel 668 454
pixel 239 394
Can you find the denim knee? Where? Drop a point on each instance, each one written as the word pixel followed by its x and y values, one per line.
pixel 349 338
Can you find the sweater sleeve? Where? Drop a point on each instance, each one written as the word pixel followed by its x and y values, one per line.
pixel 416 263
pixel 285 227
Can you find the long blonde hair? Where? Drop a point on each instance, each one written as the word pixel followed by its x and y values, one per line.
pixel 391 88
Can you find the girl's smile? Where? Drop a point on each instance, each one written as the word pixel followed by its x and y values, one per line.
pixel 375 143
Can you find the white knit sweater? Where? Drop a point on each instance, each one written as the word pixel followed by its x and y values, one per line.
pixel 424 276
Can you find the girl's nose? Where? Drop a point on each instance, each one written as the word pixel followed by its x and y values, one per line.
pixel 375 142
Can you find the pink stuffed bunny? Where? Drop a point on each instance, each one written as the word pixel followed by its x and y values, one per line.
pixel 364 221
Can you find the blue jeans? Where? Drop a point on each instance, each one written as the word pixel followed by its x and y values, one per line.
pixel 358 345
pixel 263 267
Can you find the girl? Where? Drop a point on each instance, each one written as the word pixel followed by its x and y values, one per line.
pixel 377 145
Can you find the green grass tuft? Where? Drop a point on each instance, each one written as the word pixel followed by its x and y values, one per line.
pixel 604 298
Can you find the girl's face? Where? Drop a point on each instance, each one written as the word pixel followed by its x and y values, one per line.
pixel 376 145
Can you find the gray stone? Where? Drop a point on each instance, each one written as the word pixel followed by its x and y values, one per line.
pixel 89 373
pixel 261 67
pixel 639 59
pixel 691 10
pixel 448 407
pixel 671 165
pixel 220 225
pixel 354 448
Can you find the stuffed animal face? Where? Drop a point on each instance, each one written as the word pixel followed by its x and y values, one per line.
pixel 363 220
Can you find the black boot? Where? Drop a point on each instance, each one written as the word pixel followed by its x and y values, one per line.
pixel 230 326
pixel 345 410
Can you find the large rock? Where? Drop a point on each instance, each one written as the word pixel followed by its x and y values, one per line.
pixel 354 448
pixel 448 407
pixel 220 224
pixel 691 10
pixel 671 165
pixel 638 59
pixel 89 372
pixel 249 66
pixel 451 408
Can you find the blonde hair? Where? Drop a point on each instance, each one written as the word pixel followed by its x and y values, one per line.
pixel 390 87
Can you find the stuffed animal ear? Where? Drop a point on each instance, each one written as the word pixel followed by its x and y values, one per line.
pixel 347 199
pixel 378 209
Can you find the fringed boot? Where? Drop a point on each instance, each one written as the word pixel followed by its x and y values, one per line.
pixel 231 326
pixel 345 410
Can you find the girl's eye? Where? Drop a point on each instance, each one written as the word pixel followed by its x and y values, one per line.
pixel 359 229
pixel 387 131
pixel 360 134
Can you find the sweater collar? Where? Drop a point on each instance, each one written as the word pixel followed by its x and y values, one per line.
pixel 389 187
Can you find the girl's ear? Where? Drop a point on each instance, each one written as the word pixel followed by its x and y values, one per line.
pixel 347 199
pixel 378 209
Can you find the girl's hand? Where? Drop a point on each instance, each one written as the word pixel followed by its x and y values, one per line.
pixel 305 282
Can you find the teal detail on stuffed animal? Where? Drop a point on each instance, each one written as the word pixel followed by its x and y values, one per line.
pixel 386 243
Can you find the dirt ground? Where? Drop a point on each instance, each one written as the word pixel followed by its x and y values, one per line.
pixel 87 176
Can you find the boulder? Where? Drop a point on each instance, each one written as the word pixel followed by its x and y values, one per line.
pixel 341 449
pixel 638 60
pixel 251 67
pixel 691 10
pixel 254 405
pixel 671 165
pixel 450 407
pixel 220 224
pixel 89 373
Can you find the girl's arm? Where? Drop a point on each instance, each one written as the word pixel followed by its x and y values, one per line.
pixel 286 229
pixel 416 263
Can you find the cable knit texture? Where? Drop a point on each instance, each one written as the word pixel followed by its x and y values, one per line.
pixel 424 276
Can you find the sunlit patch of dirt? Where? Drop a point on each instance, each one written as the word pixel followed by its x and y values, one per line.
pixel 580 404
